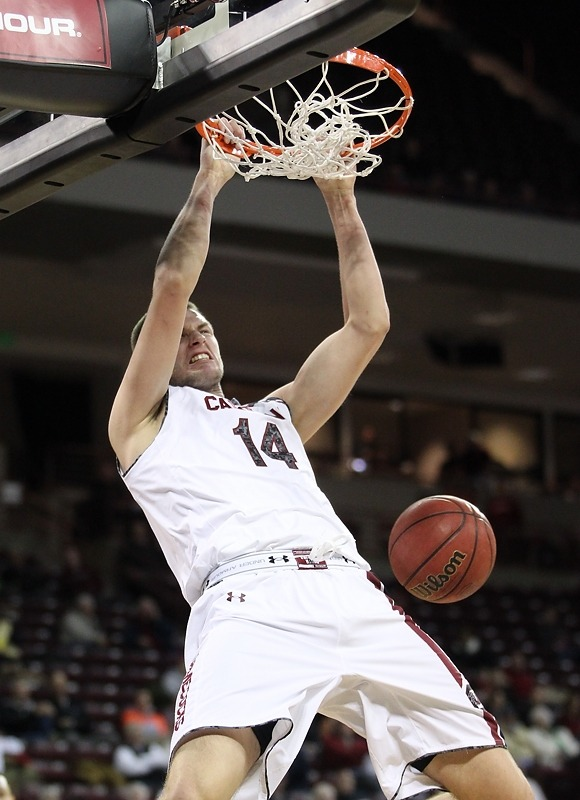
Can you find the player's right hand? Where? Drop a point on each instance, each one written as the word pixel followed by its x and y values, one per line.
pixel 210 164
pixel 209 160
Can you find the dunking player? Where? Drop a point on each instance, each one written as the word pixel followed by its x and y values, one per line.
pixel 286 620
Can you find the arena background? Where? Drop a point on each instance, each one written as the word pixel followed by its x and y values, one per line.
pixel 475 216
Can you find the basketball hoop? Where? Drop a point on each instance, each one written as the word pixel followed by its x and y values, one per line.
pixel 336 146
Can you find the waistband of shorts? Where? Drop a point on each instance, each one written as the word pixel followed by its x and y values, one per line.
pixel 298 558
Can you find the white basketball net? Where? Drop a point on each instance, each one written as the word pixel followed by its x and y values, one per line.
pixel 323 136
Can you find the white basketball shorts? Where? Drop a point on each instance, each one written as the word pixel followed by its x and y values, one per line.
pixel 287 644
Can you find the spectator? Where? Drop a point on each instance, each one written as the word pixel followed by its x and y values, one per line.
pixel 554 745
pixel 70 716
pixel 148 628
pixel 143 714
pixel 23 716
pixel 137 759
pixel 80 624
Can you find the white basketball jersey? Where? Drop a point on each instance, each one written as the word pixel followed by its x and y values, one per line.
pixel 222 480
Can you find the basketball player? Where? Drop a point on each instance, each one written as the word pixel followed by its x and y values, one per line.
pixel 286 619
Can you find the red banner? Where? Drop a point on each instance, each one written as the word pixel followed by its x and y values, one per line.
pixel 55 32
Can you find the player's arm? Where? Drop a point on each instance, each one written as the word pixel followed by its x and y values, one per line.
pixel 135 417
pixel 329 373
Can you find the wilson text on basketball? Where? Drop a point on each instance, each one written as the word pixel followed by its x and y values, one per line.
pixel 435 583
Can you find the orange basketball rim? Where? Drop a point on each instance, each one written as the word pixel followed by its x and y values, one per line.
pixel 355 57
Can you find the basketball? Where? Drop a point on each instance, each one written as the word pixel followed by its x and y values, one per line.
pixel 442 549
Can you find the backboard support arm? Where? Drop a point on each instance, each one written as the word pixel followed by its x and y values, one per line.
pixel 264 50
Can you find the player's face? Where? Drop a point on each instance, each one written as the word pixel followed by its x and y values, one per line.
pixel 199 363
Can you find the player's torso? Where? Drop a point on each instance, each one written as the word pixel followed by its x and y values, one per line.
pixel 221 480
pixel 218 447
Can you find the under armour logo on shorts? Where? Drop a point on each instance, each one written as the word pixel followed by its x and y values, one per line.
pixel 274 559
pixel 240 597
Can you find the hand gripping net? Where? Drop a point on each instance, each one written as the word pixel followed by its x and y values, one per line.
pixel 324 135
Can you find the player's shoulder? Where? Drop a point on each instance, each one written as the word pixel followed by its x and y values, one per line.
pixel 275 406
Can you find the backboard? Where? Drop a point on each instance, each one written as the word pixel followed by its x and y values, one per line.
pixel 220 63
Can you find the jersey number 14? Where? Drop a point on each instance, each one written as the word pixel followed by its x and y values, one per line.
pixel 273 444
